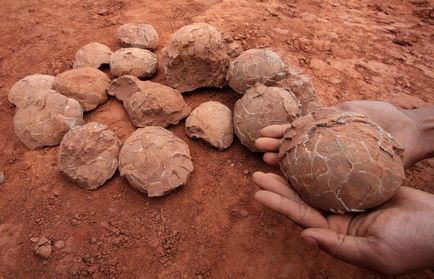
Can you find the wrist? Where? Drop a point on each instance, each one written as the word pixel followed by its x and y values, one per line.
pixel 424 121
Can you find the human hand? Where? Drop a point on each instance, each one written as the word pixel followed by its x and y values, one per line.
pixel 410 127
pixel 413 129
pixel 395 238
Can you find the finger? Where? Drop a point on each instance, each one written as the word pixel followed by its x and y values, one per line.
pixel 274 131
pixel 267 144
pixel 340 223
pixel 345 247
pixel 271 158
pixel 274 183
pixel 298 212
pixel 279 178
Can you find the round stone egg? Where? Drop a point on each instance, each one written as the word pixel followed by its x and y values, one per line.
pixel 211 122
pixel 260 107
pixel 155 104
pixel 155 161
pixel 138 35
pixel 133 61
pixel 86 85
pixel 88 155
pixel 45 118
pixel 92 55
pixel 22 91
pixel 252 66
pixel 341 161
pixel 195 56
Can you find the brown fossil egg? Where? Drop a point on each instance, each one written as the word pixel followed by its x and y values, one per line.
pixel 45 118
pixel 252 66
pixel 302 87
pixel 92 55
pixel 156 104
pixel 86 85
pixel 22 91
pixel 341 161
pixel 211 122
pixel 133 61
pixel 138 35
pixel 88 155
pixel 260 107
pixel 195 56
pixel 155 161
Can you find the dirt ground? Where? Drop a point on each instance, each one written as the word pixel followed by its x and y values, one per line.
pixel 212 227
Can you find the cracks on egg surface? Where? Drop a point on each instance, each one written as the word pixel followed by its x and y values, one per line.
pixel 298 152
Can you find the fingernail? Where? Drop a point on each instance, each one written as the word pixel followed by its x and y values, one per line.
pixel 310 241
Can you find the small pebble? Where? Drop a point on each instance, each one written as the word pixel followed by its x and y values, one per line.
pixel 56 192
pixel 42 241
pixel 244 213
pixel 2 177
pixel 44 251
pixel 102 12
pixel 59 244
pixel 154 243
pixel 246 172
pixel 34 239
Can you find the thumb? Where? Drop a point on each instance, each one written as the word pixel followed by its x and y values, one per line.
pixel 348 248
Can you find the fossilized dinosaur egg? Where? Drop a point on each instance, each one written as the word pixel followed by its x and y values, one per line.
pixel 156 105
pixel 133 61
pixel 195 56
pixel 155 161
pixel 341 161
pixel 86 85
pixel 45 119
pixel 138 35
pixel 23 89
pixel 123 87
pixel 252 66
pixel 92 55
pixel 260 107
pixel 88 155
pixel 211 122
pixel 302 87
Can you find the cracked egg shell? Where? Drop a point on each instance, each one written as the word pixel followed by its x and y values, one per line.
pixel 133 61
pixel 86 85
pixel 260 107
pixel 23 89
pixel 46 118
pixel 252 66
pixel 92 55
pixel 88 155
pixel 155 161
pixel 156 105
pixel 211 122
pixel 341 161
pixel 302 87
pixel 138 35
pixel 123 87
pixel 195 56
